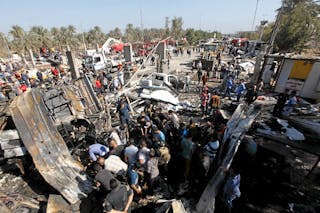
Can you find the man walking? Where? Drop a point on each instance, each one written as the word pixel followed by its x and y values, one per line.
pixel 229 87
pixel 187 83
pixel 199 72
pixel 240 90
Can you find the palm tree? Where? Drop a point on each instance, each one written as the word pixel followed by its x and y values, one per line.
pixel 4 47
pixel 56 37
pixel 40 37
pixel 95 36
pixel 73 39
pixel 18 35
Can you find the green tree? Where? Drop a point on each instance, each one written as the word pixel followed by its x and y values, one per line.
pixel 129 33
pixel 299 26
pixel 38 36
pixel 95 36
pixel 56 38
pixel 167 26
pixel 194 36
pixel 18 39
pixel 299 23
pixel 4 47
pixel 176 27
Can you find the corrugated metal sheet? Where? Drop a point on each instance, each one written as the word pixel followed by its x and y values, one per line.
pixel 47 148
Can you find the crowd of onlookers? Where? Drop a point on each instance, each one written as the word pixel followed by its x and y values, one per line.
pixel 154 154
pixel 15 79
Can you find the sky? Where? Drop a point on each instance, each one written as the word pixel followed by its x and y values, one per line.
pixel 227 16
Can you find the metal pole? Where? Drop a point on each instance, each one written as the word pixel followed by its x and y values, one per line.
pixel 254 16
pixel 275 28
pixel 268 49
pixel 141 25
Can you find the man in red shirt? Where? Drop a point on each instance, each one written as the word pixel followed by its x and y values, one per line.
pixel 23 87
pixel 98 86
pixel 204 79
pixel 55 72
pixel 119 66
pixel 204 98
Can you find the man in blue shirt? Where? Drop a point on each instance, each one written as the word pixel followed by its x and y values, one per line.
pixel 25 78
pixel 133 179
pixel 40 76
pixel 240 90
pixel 97 149
pixel 159 134
pixel 130 153
pixel 229 87
pixel 187 148
pixel 123 110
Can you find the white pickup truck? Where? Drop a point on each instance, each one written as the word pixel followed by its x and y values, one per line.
pixel 162 80
pixel 98 61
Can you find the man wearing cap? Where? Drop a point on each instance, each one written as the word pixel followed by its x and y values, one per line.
pixel 97 149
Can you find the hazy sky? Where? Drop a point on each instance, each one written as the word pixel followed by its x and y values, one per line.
pixel 224 15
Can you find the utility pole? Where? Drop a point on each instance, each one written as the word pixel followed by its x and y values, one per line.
pixel 254 16
pixel 83 40
pixel 275 28
pixel 262 24
pixel 141 25
pixel 75 74
pixel 268 48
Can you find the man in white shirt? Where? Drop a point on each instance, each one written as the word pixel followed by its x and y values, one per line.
pixel 115 136
pixel 143 154
pixel 174 119
pixel 120 77
pixel 114 164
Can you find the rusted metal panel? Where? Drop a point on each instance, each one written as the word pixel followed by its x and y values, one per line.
pixel 77 107
pixel 47 147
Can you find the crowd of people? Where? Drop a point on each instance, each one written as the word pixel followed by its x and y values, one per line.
pixel 16 80
pixel 153 154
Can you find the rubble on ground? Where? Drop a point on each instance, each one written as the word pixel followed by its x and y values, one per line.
pixel 47 130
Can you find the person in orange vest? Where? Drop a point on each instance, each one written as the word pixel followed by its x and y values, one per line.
pixel 214 102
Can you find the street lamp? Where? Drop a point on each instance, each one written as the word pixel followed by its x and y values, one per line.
pixel 262 23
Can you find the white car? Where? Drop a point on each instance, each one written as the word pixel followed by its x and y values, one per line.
pixel 247 67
